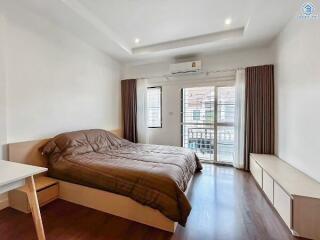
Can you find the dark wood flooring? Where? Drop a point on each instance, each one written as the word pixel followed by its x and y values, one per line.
pixel 226 203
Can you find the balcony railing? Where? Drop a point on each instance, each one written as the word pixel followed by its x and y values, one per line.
pixel 201 140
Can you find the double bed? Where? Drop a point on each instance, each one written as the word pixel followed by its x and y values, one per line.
pixel 141 182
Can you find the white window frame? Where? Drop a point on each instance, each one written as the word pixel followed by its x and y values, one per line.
pixel 160 126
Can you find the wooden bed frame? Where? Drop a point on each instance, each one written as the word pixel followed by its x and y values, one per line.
pixel 115 204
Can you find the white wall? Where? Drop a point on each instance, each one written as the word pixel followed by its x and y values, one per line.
pixel 50 81
pixel 56 82
pixel 3 119
pixel 298 95
pixel 170 133
pixel 3 130
pixel 226 60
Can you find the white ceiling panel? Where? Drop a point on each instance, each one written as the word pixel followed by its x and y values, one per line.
pixel 169 27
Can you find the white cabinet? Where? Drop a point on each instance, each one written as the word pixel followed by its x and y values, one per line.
pixel 267 185
pixel 282 203
pixel 294 195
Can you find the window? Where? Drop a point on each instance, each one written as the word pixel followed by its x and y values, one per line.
pixel 196 115
pixel 210 130
pixel 154 111
pixel 209 116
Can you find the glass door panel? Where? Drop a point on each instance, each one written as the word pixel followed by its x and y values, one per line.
pixel 198 121
pixel 207 122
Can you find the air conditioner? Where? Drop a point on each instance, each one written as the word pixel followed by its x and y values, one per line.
pixel 185 67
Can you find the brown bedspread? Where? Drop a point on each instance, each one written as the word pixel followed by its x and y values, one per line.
pixel 152 175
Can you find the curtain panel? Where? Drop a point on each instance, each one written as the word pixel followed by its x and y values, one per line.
pixel 259 113
pixel 239 123
pixel 142 127
pixel 129 109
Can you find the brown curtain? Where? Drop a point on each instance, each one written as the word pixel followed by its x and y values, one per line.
pixel 259 119
pixel 129 109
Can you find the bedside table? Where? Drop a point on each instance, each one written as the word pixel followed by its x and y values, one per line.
pixel 47 190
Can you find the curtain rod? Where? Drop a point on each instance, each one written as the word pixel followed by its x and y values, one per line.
pixel 204 72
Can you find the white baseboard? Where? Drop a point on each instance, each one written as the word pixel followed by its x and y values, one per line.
pixel 4 202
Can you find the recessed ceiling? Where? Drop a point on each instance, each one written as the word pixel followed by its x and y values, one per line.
pixel 155 22
pixel 190 41
pixel 132 30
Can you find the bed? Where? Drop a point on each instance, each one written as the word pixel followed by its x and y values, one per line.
pixel 143 183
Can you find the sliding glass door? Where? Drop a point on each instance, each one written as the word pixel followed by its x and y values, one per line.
pixel 207 122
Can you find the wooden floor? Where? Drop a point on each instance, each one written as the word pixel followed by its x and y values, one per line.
pixel 226 205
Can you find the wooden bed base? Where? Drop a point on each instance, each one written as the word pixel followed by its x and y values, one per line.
pixel 115 204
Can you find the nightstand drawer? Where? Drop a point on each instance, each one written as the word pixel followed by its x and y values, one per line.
pixel 48 194
pixel 47 191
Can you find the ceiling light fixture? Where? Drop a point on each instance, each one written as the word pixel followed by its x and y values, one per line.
pixel 228 21
pixel 136 40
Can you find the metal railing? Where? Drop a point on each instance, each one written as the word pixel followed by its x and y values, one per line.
pixel 201 140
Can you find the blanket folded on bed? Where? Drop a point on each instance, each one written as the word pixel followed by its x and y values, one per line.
pixel 152 175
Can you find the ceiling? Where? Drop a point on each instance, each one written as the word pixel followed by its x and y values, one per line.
pixel 168 28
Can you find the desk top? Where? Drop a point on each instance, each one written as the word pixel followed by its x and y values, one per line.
pixel 11 171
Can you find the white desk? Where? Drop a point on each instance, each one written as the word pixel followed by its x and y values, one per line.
pixel 14 175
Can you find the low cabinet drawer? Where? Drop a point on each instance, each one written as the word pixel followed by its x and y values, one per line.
pixel 256 171
pixel 282 203
pixel 267 183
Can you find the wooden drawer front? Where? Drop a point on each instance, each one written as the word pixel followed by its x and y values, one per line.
pixel 268 185
pixel 256 171
pixel 282 203
pixel 48 194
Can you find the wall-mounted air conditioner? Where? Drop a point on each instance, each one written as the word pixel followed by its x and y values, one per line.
pixel 185 67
